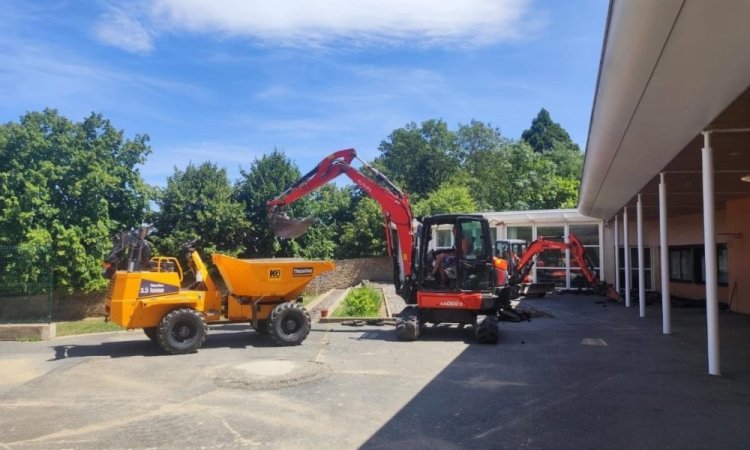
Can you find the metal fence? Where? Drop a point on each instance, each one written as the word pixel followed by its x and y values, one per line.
pixel 25 284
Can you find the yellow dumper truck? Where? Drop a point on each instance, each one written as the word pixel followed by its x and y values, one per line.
pixel 147 293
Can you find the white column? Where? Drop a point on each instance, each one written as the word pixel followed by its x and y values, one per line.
pixel 617 259
pixel 641 272
pixel 566 233
pixel 602 258
pixel 533 238
pixel 626 243
pixel 709 239
pixel 666 314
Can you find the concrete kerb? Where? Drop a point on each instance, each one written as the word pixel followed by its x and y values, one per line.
pixel 336 303
pixel 388 319
pixel 313 304
pixel 16 331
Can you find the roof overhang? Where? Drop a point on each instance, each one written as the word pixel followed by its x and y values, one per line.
pixel 548 216
pixel 668 68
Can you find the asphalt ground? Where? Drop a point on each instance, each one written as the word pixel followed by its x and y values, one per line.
pixel 588 375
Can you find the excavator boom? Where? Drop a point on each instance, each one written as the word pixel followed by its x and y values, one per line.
pixel 577 254
pixel 393 202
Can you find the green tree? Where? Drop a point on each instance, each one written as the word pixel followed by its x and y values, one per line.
pixel 365 235
pixel 333 207
pixel 70 186
pixel 419 159
pixel 446 199
pixel 199 203
pixel 267 177
pixel 545 133
pixel 478 137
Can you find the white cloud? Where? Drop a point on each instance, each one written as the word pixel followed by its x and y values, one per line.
pixel 124 30
pixel 305 23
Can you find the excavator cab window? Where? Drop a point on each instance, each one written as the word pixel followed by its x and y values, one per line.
pixel 475 253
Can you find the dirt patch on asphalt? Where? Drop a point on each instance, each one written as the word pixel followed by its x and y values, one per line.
pixel 268 374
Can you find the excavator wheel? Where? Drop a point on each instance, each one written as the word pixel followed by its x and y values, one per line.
pixel 289 324
pixel 152 333
pixel 407 325
pixel 486 331
pixel 182 331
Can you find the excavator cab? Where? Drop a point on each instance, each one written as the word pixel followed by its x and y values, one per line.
pixel 454 254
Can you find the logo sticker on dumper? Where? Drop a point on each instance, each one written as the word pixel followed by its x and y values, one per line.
pixel 274 274
pixel 150 288
pixel 302 271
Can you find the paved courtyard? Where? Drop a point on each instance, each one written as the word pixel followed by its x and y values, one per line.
pixel 587 375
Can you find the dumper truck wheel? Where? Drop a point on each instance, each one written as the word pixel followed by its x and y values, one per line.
pixel 182 331
pixel 289 324
pixel 262 327
pixel 486 331
pixel 152 333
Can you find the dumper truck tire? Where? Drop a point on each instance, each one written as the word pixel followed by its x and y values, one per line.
pixel 289 324
pixel 152 333
pixel 262 327
pixel 182 331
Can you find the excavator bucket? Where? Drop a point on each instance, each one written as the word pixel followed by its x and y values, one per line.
pixel 287 227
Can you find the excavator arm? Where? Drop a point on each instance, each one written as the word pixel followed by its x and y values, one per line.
pixel 577 253
pixel 393 202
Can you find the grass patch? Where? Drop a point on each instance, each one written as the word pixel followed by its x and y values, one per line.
pixel 85 326
pixel 362 301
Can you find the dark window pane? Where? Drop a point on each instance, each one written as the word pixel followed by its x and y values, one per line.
pixel 588 234
pixel 550 232
pixel 556 276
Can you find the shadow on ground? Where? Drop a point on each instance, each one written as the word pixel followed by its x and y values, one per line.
pixel 594 377
pixel 225 336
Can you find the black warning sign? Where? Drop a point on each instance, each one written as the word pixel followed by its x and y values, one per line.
pixel 151 288
pixel 302 271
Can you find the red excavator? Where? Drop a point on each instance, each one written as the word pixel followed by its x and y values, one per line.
pixel 440 279
pixel 520 266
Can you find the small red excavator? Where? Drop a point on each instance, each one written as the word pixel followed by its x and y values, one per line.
pixel 440 283
pixel 520 266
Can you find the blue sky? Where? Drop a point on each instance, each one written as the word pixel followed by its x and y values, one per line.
pixel 229 80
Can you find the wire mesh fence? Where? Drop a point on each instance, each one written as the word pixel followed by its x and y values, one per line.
pixel 25 284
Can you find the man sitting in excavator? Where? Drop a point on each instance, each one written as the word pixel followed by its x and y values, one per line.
pixel 445 264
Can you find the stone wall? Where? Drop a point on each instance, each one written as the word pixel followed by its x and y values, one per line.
pixel 350 272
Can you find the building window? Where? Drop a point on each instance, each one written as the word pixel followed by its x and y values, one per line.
pixel 589 237
pixel 687 264
pixel 634 266
pixel 681 264
pixel 520 233
pixel 444 238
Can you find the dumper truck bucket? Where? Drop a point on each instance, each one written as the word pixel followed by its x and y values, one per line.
pixel 268 278
pixel 287 227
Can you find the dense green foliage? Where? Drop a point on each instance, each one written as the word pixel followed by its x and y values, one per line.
pixel 198 203
pixel 544 133
pixel 363 301
pixel 68 187
pixel 266 178
pixel 420 159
